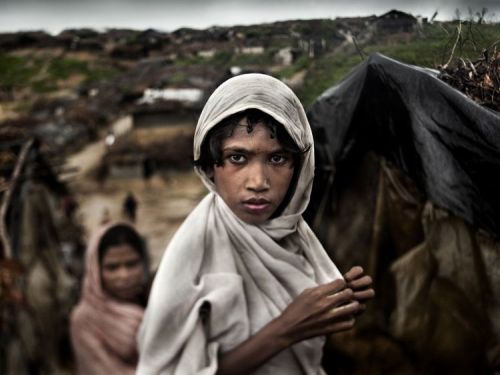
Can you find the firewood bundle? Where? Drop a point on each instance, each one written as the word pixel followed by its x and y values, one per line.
pixel 479 80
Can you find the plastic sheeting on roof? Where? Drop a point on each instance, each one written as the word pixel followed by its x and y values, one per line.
pixel 446 143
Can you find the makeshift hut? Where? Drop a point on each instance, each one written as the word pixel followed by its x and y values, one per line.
pixel 396 21
pixel 408 185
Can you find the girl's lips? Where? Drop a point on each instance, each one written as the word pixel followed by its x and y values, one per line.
pixel 256 208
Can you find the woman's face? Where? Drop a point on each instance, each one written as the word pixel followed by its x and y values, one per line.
pixel 255 175
pixel 122 273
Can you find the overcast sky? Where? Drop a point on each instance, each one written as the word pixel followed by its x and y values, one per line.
pixel 168 15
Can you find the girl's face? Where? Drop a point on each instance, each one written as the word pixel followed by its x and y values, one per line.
pixel 255 175
pixel 122 273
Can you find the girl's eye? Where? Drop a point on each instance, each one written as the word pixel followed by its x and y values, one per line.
pixel 237 158
pixel 110 267
pixel 133 263
pixel 278 159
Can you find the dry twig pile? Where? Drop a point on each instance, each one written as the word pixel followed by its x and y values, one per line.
pixel 479 80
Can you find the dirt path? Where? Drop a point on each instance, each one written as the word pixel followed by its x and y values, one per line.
pixel 163 202
pixel 82 162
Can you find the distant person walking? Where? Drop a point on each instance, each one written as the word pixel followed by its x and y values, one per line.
pixel 130 207
pixel 69 206
pixel 148 168
pixel 105 217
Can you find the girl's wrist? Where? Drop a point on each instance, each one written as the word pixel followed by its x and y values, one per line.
pixel 277 332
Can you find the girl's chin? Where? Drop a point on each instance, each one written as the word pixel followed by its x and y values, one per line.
pixel 254 218
pixel 128 296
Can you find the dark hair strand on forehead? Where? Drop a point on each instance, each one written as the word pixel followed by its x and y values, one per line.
pixel 211 148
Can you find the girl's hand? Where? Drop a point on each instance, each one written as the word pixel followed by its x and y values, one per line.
pixel 317 311
pixel 361 286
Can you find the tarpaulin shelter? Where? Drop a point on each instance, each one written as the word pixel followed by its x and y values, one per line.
pixel 408 185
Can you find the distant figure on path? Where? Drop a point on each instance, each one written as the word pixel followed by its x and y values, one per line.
pixel 130 207
pixel 110 139
pixel 105 217
pixel 69 206
pixel 148 168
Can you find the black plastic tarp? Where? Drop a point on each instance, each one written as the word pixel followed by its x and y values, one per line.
pixel 448 144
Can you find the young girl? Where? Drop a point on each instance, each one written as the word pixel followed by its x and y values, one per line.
pixel 105 322
pixel 245 286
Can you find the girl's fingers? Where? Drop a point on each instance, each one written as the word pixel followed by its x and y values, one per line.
pixel 362 282
pixel 353 273
pixel 341 326
pixel 332 327
pixel 347 310
pixel 340 298
pixel 333 287
pixel 364 294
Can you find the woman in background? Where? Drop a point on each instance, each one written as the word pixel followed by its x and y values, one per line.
pixel 104 324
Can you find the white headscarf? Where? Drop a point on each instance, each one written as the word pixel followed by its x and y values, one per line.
pixel 221 280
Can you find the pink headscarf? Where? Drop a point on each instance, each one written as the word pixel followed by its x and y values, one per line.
pixel 103 330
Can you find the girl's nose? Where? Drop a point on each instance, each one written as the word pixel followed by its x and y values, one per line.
pixel 123 273
pixel 257 179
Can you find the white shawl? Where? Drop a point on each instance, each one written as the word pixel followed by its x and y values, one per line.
pixel 221 280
